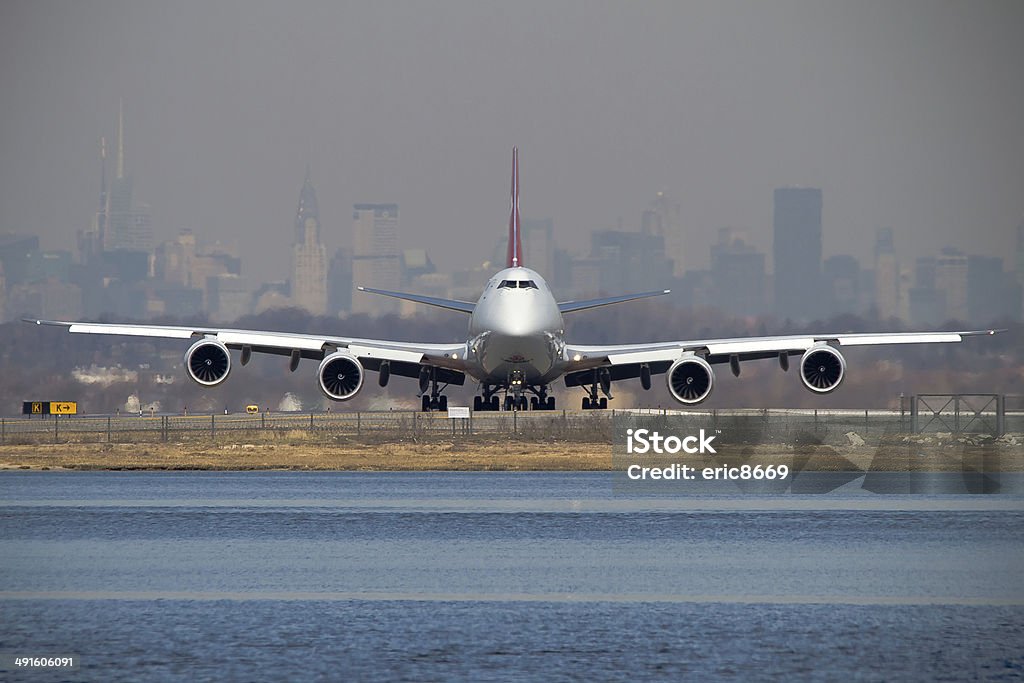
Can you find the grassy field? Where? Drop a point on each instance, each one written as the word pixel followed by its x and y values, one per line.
pixel 294 452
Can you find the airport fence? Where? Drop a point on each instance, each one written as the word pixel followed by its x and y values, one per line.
pixel 919 415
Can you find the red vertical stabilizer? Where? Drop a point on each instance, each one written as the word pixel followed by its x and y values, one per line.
pixel 515 235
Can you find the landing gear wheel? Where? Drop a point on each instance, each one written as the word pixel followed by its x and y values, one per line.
pixel 494 403
pixel 533 403
pixel 425 401
pixel 586 403
pixel 551 403
pixel 521 403
pixel 442 403
pixel 508 403
pixel 604 403
pixel 478 403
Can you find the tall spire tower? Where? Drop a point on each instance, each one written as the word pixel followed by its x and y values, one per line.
pixel 309 257
pixel 104 208
pixel 128 227
pixel 120 139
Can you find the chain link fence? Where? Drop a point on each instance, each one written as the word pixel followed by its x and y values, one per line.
pixel 959 414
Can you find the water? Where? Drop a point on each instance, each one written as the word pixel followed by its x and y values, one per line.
pixel 480 576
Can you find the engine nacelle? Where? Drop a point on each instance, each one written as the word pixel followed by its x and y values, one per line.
pixel 340 376
pixel 690 380
pixel 208 362
pixel 822 368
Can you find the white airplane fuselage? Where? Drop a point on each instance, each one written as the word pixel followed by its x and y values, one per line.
pixel 516 331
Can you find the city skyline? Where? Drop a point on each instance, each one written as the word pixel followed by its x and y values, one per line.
pixel 119 271
pixel 905 116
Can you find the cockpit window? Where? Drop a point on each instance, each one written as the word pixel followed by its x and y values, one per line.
pixel 521 284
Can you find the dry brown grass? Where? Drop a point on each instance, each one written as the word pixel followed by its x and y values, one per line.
pixel 482 455
pixel 437 455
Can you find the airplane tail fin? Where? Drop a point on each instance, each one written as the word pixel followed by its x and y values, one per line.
pixel 515 235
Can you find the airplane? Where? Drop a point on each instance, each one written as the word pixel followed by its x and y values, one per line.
pixel 516 347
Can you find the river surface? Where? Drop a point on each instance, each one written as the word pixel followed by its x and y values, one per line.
pixel 491 576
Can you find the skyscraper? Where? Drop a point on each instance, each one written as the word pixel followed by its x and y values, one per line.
pixel 309 257
pixel 738 273
pixel 128 227
pixel 375 258
pixel 663 219
pixel 796 250
pixel 887 275
pixel 951 278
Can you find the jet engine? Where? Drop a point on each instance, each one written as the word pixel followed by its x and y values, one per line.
pixel 690 380
pixel 822 368
pixel 208 362
pixel 340 376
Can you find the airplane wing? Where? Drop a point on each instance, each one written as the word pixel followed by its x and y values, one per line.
pixel 570 306
pixel 625 360
pixel 450 304
pixel 405 358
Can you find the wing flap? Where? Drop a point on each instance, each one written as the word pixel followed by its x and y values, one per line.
pixel 270 340
pixel 133 330
pixel 384 353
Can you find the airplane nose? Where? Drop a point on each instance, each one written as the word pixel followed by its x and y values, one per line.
pixel 510 323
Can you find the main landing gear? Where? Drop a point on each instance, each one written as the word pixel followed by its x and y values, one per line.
pixel 489 400
pixel 435 400
pixel 601 380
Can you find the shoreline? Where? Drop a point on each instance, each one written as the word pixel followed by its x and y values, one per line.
pixel 490 455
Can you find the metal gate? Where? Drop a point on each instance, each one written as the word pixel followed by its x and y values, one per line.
pixel 959 413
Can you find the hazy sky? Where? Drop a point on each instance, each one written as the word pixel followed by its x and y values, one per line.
pixel 908 114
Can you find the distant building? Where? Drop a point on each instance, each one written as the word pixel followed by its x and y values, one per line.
pixel 271 295
pixel 468 284
pixel 841 284
pixel 339 282
pixel 184 263
pixel 992 294
pixel 419 275
pixel 48 298
pixel 375 257
pixel 229 297
pixel 737 270
pixel 538 247
pixel 663 218
pixel 951 279
pixel 796 251
pixel 129 226
pixel 16 256
pixel 887 275
pixel 927 305
pixel 629 261
pixel 309 257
